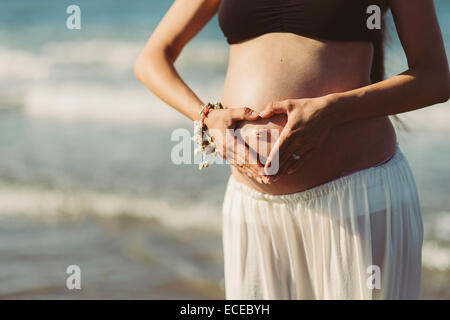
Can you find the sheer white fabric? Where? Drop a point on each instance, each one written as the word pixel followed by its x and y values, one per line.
pixel 356 237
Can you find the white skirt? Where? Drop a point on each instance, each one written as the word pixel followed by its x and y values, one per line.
pixel 357 237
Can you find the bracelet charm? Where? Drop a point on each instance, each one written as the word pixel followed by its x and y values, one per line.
pixel 205 145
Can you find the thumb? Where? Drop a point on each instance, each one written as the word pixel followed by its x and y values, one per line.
pixel 274 154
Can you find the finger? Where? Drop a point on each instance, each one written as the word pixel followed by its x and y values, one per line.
pixel 230 147
pixel 303 150
pixel 234 158
pixel 258 178
pixel 239 154
pixel 244 114
pixel 243 170
pixel 256 168
pixel 255 175
pixel 279 163
pixel 252 168
pixel 249 170
pixel 244 152
pixel 251 155
pixel 235 152
pixel 286 154
pixel 289 164
pixel 239 158
pixel 275 152
pixel 253 160
pixel 296 165
pixel 276 107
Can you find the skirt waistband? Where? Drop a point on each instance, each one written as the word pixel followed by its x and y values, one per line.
pixel 323 189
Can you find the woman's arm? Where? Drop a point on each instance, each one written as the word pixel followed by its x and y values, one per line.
pixel 425 83
pixel 155 65
pixel 155 68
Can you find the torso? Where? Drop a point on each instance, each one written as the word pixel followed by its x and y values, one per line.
pixel 279 66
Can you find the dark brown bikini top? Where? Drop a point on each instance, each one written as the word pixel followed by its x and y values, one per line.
pixel 334 20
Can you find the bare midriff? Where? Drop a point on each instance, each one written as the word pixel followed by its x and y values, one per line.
pixel 279 66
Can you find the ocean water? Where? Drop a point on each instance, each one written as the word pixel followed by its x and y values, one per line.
pixel 85 172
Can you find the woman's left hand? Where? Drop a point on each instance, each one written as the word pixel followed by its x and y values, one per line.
pixel 306 128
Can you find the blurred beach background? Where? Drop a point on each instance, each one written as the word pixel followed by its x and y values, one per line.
pixel 86 176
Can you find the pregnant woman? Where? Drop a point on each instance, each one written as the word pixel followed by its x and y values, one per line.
pixel 340 217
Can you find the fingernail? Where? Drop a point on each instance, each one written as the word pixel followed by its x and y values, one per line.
pixel 259 180
pixel 290 171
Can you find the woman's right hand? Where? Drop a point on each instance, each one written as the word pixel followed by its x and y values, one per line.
pixel 221 124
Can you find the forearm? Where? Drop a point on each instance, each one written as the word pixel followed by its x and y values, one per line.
pixel 157 72
pixel 414 89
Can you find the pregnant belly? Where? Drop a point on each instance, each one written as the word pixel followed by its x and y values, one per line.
pixel 260 73
pixel 347 149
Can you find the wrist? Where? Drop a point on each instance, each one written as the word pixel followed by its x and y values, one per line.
pixel 197 107
pixel 208 112
pixel 209 121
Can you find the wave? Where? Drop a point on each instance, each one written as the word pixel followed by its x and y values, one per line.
pixel 74 102
pixel 113 55
pixel 121 55
pixel 435 256
pixel 439 226
pixel 77 81
pixel 93 81
pixel 116 54
pixel 53 204
pixel 436 247
pixel 103 102
pixel 18 64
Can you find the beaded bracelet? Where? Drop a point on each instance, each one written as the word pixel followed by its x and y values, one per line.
pixel 204 142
